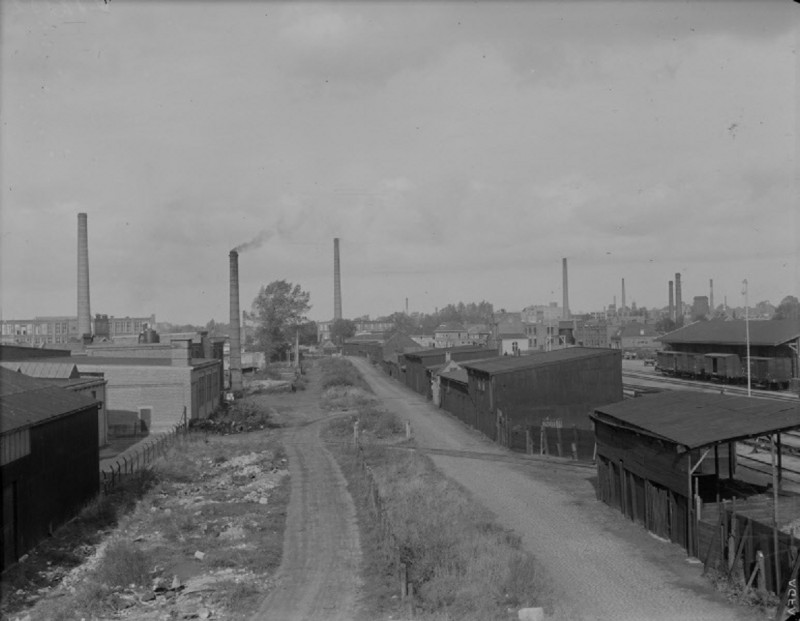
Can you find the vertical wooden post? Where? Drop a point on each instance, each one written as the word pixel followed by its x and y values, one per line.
pixel 762 576
pixel 542 441
pixel 403 581
pixel 355 434
pixel 775 515
pixel 574 443
pixel 528 440
pixel 560 445
pixel 408 430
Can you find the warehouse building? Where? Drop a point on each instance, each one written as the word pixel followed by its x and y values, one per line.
pixel 417 366
pixel 49 459
pixel 556 389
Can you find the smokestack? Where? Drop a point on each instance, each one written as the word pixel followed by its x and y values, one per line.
pixel 671 301
pixel 565 288
pixel 337 282
pixel 84 314
pixel 406 306
pixel 711 294
pixel 236 337
pixel 623 293
pixel 678 300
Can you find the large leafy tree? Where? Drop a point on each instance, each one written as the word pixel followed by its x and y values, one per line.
pixel 342 329
pixel 789 308
pixel 279 310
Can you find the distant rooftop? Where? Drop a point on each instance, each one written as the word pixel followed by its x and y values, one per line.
pixel 506 364
pixel 717 332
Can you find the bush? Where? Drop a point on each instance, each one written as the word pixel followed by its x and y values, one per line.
pixel 124 564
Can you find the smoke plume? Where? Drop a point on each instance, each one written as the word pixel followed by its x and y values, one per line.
pixel 257 241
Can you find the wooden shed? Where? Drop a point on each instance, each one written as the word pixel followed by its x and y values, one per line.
pixel 419 364
pixel 49 459
pixel 659 457
pixel 514 393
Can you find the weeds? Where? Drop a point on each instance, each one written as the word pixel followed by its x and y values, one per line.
pixel 124 564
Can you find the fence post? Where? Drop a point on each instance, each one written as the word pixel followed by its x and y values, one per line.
pixel 355 434
pixel 574 443
pixel 403 581
pixel 528 440
pixel 408 430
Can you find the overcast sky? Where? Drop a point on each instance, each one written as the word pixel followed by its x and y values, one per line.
pixel 459 150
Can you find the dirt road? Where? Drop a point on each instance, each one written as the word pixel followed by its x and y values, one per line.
pixel 319 574
pixel 603 567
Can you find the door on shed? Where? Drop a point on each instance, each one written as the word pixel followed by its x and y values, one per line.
pixel 9 524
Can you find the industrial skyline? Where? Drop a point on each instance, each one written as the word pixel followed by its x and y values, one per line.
pixel 458 151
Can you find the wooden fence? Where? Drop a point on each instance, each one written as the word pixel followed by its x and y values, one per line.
pixel 140 456
pixel 744 549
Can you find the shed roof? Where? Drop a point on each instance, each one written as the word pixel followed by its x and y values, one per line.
pixel 456 375
pixel 44 369
pixel 27 401
pixel 696 419
pixel 450 327
pixel 438 351
pixel 507 364
pixel 513 335
pixel 718 332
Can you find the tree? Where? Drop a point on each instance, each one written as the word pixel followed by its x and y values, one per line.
pixel 665 324
pixel 279 309
pixel 342 329
pixel 789 308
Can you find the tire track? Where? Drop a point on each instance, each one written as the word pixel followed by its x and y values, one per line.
pixel 319 576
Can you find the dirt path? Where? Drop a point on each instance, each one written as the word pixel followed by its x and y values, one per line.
pixel 319 574
pixel 603 566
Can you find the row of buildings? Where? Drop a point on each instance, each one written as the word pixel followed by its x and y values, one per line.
pixel 669 461
pixel 62 330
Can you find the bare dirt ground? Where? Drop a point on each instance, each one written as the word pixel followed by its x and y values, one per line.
pixel 319 576
pixel 603 566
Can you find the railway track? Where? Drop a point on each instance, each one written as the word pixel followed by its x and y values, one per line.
pixel 702 386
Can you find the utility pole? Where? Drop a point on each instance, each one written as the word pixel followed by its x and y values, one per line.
pixel 747 331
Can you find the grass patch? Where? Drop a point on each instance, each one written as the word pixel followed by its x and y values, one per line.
pixel 341 372
pixel 460 563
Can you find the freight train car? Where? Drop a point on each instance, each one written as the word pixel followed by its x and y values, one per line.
pixel 773 373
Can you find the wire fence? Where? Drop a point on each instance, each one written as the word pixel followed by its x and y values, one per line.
pixel 389 545
pixel 140 456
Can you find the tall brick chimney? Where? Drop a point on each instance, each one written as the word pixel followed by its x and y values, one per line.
pixel 678 301
pixel 236 340
pixel 84 312
pixel 565 288
pixel 671 301
pixel 337 282
pixel 711 294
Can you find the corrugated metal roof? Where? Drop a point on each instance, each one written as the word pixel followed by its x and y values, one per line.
pixel 718 332
pixel 696 419
pixel 27 401
pixel 437 351
pixel 506 364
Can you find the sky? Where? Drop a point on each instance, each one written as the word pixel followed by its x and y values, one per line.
pixel 459 150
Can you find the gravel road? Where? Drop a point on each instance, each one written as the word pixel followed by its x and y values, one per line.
pixel 319 574
pixel 602 566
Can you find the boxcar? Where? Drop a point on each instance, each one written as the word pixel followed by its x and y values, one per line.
pixel 666 362
pixel 723 367
pixel 773 373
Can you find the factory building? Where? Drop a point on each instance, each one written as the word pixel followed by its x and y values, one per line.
pixel 155 382
pixel 417 366
pixel 59 330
